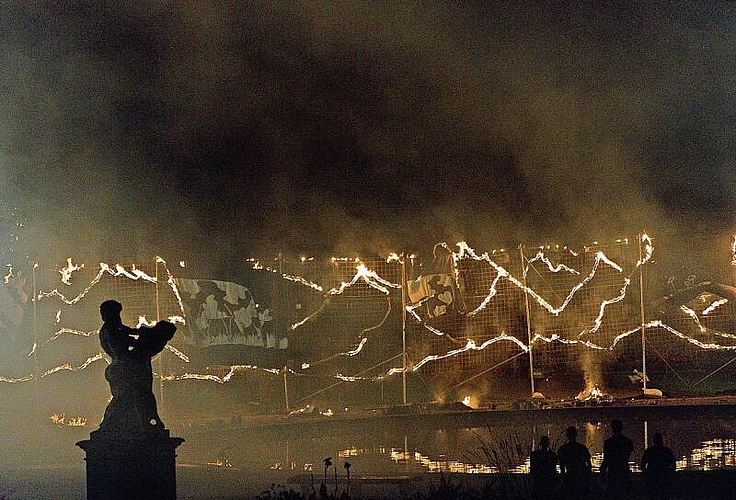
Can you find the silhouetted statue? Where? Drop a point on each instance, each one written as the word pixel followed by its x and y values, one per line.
pixel 543 468
pixel 575 467
pixel 132 411
pixel 615 466
pixel 658 466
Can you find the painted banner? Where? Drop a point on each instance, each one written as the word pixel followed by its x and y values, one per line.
pixel 222 312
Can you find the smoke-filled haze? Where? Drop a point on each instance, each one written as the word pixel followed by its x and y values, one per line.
pixel 215 132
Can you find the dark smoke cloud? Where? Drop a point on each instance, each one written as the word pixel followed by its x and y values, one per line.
pixel 212 133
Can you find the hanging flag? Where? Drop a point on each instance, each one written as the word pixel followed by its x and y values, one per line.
pixel 222 312
pixel 13 303
pixel 435 291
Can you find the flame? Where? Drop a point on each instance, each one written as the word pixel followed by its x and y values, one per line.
pixel 221 463
pixel 117 271
pixel 600 257
pixel 220 380
pixel 77 422
pixel 599 319
pixel 171 281
pixel 58 419
pixel 69 331
pixel 10 274
pixel 361 336
pixel 384 286
pixel 716 304
pixel 66 272
pixel 693 315
pixel 178 353
pixel 134 274
pixel 471 346
pixel 555 269
pixel 296 279
pixel 369 277
pixel 592 392
pixel 69 367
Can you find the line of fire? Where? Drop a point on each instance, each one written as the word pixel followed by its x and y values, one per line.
pixel 531 326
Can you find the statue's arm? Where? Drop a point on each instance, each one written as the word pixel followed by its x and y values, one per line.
pixel 152 340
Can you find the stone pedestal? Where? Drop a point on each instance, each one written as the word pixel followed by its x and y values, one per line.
pixel 131 469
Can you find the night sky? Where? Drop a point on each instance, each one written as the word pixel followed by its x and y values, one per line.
pixel 215 132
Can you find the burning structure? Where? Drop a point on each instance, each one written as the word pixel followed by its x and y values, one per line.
pixel 499 325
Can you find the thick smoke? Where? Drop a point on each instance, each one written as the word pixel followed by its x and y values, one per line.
pixel 212 134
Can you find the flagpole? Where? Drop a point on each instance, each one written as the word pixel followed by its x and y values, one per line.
pixel 403 327
pixel 286 388
pixel 160 356
pixel 35 334
pixel 278 324
pixel 528 321
pixel 643 318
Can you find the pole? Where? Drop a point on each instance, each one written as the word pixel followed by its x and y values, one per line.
pixel 160 356
pixel 36 378
pixel 35 322
pixel 286 388
pixel 528 322
pixel 643 318
pixel 403 328
pixel 277 308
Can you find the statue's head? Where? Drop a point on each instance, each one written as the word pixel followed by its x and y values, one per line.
pixel 110 310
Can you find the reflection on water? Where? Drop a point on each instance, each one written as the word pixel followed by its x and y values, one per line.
pixel 713 454
pixel 700 445
pixel 442 464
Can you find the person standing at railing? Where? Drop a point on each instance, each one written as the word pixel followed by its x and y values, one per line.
pixel 615 466
pixel 658 466
pixel 543 469
pixel 575 466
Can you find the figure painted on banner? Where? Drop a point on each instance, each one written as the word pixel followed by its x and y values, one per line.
pixel 132 411
pixel 543 468
pixel 615 466
pixel 575 467
pixel 658 466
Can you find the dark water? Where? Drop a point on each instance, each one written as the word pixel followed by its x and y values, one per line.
pixel 54 467
pixel 699 444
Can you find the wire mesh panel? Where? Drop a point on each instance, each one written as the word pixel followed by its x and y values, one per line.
pixel 555 317
pixel 483 308
pixel 357 324
pixel 587 301
pixel 691 340
pixel 571 306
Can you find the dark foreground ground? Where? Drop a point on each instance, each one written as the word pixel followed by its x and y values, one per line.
pixel 231 484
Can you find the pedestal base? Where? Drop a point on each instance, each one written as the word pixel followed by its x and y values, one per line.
pixel 131 469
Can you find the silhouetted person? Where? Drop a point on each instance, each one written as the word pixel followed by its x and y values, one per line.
pixel 543 468
pixel 658 466
pixel 575 467
pixel 615 466
pixel 132 411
